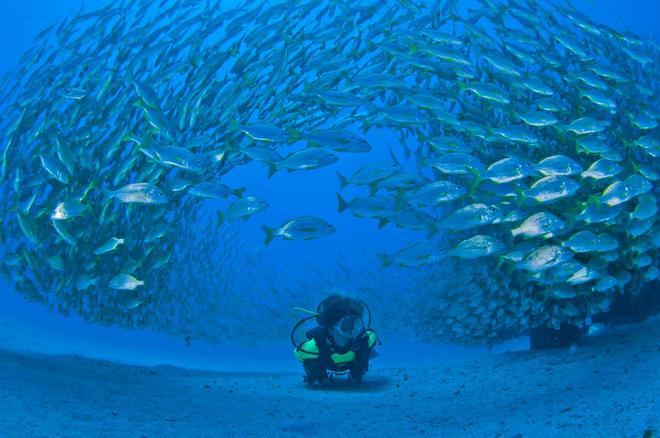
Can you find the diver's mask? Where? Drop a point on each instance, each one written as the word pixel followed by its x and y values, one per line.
pixel 350 326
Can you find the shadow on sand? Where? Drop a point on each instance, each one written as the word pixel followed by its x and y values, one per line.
pixel 374 384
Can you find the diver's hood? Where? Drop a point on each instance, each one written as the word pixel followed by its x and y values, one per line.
pixel 348 324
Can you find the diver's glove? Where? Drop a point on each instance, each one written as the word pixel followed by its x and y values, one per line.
pixel 357 372
pixel 314 371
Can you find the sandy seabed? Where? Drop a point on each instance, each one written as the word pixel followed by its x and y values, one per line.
pixel 609 387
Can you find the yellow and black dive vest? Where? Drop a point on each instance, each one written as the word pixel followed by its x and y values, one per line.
pixel 311 349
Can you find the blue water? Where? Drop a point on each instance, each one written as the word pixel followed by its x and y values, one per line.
pixel 295 193
pixel 31 326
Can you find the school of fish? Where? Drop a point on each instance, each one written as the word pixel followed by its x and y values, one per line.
pixel 523 138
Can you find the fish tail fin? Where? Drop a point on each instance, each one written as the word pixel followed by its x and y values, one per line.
pixel 107 196
pixel 594 199
pixel 520 196
pixel 570 220
pixel 93 185
pixel 476 180
pixel 392 155
pixel 343 182
pixel 420 158
pixel 431 231
pixel 385 260
pixel 88 208
pixel 272 168
pixel 635 167
pixel 239 192
pixel 366 126
pixel 131 136
pixel 233 50
pixel 294 135
pixel 400 200
pixel 500 262
pixel 341 203
pixel 223 157
pixel 270 234
pixel 560 130
pixel 406 152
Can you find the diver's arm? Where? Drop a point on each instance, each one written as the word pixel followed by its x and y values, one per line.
pixel 308 354
pixel 365 350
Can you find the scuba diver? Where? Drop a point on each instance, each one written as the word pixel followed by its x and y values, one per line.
pixel 342 343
